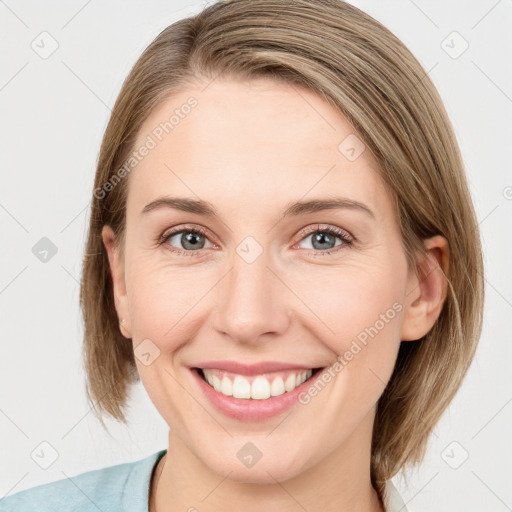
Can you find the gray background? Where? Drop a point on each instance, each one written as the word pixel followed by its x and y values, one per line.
pixel 54 111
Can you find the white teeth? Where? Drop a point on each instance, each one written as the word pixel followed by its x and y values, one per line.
pixel 277 387
pixel 216 383
pixel 260 389
pixel 289 384
pixel 241 388
pixel 226 387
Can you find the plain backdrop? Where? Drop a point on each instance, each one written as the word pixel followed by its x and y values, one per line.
pixel 54 109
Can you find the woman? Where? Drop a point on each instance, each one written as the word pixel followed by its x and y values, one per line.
pixel 283 249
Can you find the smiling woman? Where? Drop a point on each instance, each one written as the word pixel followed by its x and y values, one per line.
pixel 293 270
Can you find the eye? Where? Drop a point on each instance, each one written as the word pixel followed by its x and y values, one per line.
pixel 191 240
pixel 323 239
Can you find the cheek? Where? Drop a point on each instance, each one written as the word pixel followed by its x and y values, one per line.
pixel 355 308
pixel 163 299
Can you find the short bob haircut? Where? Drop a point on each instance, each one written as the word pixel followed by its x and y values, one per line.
pixel 369 76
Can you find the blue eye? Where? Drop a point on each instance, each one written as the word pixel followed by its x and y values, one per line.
pixel 323 238
pixel 192 240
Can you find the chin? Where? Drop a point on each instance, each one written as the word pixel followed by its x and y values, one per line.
pixel 266 470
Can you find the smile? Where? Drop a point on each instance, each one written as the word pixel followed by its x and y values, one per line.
pixel 257 387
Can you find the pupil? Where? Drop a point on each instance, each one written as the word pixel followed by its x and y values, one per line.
pixel 189 240
pixel 321 237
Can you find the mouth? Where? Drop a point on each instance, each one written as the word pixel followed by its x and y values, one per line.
pixel 262 386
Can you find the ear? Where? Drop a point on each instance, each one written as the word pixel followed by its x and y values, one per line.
pixel 426 289
pixel 117 272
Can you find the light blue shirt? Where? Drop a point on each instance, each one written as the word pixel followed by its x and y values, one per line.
pixel 121 488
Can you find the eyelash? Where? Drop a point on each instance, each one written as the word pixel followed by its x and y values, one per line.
pixel 330 230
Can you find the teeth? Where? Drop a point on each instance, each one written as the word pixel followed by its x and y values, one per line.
pixel 226 387
pixel 241 388
pixel 216 383
pixel 261 387
pixel 277 387
pixel 289 383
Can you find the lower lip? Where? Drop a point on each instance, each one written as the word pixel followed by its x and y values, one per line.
pixel 249 409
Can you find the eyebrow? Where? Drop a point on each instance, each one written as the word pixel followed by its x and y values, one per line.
pixel 294 209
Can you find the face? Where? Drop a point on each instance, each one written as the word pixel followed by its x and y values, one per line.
pixel 257 280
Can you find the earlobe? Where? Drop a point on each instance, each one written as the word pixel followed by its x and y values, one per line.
pixel 427 289
pixel 118 280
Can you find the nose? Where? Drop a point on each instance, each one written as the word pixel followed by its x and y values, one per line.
pixel 252 306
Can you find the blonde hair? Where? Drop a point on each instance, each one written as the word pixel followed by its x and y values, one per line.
pixel 367 74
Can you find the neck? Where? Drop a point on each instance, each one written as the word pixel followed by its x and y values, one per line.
pixel 340 482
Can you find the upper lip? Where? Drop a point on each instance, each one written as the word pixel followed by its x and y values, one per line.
pixel 251 369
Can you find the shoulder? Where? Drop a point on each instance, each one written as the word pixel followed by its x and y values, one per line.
pixel 106 489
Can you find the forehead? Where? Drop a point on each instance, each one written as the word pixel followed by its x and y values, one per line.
pixel 257 140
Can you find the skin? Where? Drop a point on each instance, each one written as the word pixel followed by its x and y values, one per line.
pixel 250 149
